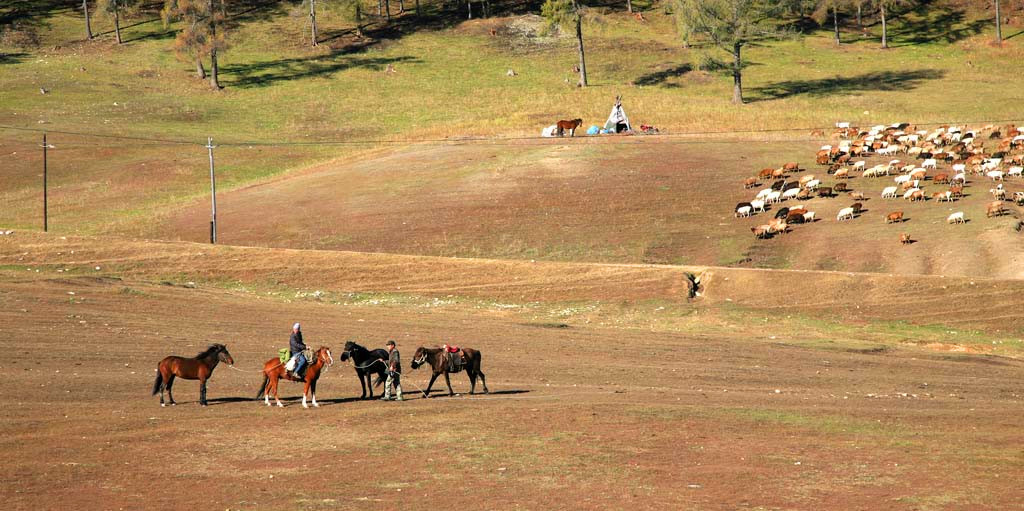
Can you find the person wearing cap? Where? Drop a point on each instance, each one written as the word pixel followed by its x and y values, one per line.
pixel 298 348
pixel 394 363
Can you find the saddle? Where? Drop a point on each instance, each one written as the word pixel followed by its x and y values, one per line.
pixel 456 359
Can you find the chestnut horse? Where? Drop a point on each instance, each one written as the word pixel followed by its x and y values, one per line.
pixel 568 125
pixel 273 370
pixel 199 368
pixel 435 357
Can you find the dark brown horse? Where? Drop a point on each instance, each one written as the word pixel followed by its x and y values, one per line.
pixel 435 357
pixel 273 370
pixel 199 368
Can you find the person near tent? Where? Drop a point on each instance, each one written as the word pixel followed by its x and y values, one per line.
pixel 618 122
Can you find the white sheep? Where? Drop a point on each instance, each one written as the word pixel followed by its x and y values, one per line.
pixel 996 175
pixel 809 217
pixel 902 178
pixel 929 163
pixel 908 193
pixel 845 214
pixel 791 193
pixel 743 211
pixel 959 167
pixel 859 164
pixel 757 205
pixel 774 197
pixel 764 193
pixel 956 218
pixel 889 192
pixel 813 184
pixel 1015 171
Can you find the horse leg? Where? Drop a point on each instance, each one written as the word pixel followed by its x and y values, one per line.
pixel 274 382
pixel 312 392
pixel 472 381
pixel 431 384
pixel 483 380
pixel 266 392
pixel 448 381
pixel 170 397
pixel 305 390
pixel 362 383
pixel 202 391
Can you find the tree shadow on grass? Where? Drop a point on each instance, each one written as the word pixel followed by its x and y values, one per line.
pixel 12 58
pixel 33 13
pixel 933 25
pixel 874 81
pixel 660 77
pixel 269 72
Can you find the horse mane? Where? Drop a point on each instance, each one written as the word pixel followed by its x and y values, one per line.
pixel 213 348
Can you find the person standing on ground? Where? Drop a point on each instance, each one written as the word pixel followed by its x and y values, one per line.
pixel 298 348
pixel 394 363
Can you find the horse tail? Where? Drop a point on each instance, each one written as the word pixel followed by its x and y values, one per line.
pixel 158 383
pixel 263 387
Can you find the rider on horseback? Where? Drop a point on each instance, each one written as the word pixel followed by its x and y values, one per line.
pixel 298 348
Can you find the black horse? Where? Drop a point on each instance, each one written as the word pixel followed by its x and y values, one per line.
pixel 367 363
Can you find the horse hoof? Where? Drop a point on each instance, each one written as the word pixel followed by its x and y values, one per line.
pixel 162 405
pixel 279 405
pixel 305 406
pixel 316 405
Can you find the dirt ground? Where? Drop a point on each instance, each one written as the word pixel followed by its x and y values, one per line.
pixel 580 416
pixel 636 201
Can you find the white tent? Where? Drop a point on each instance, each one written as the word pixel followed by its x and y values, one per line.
pixel 617 121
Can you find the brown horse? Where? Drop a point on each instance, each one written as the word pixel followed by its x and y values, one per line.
pixel 199 368
pixel 435 357
pixel 568 125
pixel 273 370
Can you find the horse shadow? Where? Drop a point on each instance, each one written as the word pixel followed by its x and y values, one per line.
pixel 213 401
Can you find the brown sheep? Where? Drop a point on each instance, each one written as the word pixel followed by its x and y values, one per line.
pixel 761 231
pixel 791 167
pixel 825 191
pixel 839 187
pixel 995 208
pixel 856 195
pixel 957 191
pixel 765 173
pixel 895 216
pixel 905 239
pixel 750 182
pixel 916 196
pixel 941 178
pixel 857 207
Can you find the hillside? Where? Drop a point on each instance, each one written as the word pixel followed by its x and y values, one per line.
pixel 449 81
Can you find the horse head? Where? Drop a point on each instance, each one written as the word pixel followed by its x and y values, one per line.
pixel 419 358
pixel 222 354
pixel 324 354
pixel 349 347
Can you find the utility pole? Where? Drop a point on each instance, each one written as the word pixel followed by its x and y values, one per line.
pixel 46 223
pixel 213 193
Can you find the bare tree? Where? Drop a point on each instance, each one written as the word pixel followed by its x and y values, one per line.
pixel 202 34
pixel 568 12
pixel 730 25
pixel 88 25
pixel 999 26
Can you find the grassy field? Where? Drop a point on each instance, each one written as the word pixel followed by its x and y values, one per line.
pixel 449 81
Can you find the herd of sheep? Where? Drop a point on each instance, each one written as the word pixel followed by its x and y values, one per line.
pixel 917 157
